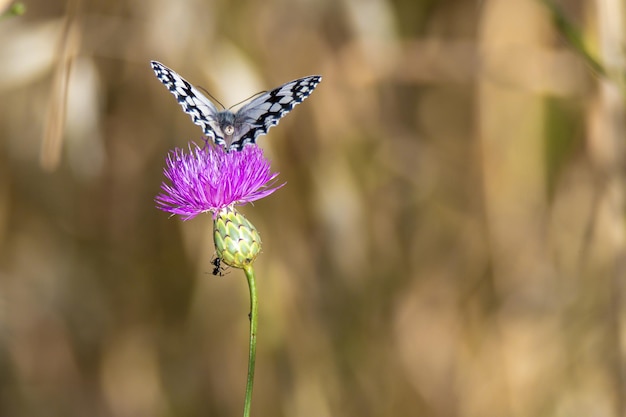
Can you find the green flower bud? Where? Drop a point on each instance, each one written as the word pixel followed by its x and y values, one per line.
pixel 237 241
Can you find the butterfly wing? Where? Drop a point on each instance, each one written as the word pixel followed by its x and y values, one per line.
pixel 194 103
pixel 256 117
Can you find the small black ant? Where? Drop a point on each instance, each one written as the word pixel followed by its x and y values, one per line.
pixel 218 268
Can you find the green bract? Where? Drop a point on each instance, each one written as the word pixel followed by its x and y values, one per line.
pixel 237 241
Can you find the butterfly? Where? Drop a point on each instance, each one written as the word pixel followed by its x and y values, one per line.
pixel 231 130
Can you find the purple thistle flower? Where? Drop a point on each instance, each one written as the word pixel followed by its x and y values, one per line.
pixel 210 179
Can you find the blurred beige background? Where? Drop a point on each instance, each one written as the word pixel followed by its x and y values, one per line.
pixel 450 241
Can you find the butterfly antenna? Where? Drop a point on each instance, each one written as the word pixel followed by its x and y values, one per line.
pixel 248 99
pixel 211 95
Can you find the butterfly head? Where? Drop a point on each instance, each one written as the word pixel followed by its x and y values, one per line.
pixel 226 122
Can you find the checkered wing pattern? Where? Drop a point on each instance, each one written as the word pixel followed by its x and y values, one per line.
pixel 265 111
pixel 194 103
pixel 254 119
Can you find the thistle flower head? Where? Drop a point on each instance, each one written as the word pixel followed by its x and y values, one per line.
pixel 209 179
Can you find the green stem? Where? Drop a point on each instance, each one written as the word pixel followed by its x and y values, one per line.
pixel 253 326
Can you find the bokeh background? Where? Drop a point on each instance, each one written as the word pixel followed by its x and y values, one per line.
pixel 450 241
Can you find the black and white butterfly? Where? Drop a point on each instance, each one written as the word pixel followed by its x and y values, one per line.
pixel 231 130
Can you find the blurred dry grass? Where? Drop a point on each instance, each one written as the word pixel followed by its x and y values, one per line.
pixel 450 241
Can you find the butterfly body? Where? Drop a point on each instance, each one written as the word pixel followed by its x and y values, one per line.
pixel 235 130
pixel 227 121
